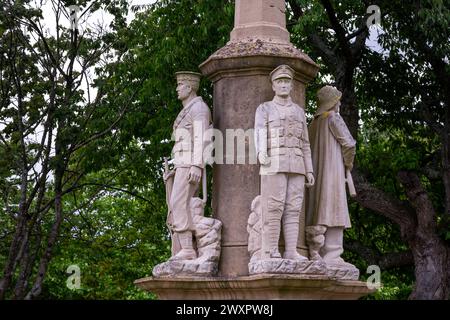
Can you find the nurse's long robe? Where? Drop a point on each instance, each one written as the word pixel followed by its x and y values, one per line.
pixel 332 148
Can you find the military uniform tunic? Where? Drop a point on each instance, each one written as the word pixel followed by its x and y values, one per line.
pixel 285 139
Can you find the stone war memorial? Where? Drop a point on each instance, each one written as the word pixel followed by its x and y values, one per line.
pixel 278 218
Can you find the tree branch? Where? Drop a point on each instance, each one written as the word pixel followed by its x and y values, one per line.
pixel 49 52
pixel 419 199
pixel 360 42
pixel 384 261
pixel 104 132
pixel 106 186
pixel 327 54
pixel 376 200
pixel 320 45
pixel 340 32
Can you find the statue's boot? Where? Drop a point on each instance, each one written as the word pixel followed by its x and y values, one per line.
pixel 270 239
pixel 187 251
pixel 272 211
pixel 333 246
pixel 290 232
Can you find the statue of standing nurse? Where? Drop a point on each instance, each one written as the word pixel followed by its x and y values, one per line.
pixel 333 151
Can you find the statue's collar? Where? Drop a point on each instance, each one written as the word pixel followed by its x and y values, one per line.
pixel 185 111
pixel 192 102
pixel 282 102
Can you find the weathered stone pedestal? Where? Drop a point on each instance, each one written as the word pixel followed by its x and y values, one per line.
pixel 257 287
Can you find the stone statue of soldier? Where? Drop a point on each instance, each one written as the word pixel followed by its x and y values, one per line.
pixel 333 151
pixel 195 238
pixel 188 132
pixel 282 146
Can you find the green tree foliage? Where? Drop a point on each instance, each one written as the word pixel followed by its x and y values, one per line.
pixel 46 112
pixel 115 240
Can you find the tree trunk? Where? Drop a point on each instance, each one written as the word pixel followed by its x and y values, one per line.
pixel 25 259
pixel 349 106
pixel 11 262
pixel 429 251
pixel 52 238
pixel 17 244
pixel 27 262
pixel 431 268
pixel 60 168
pixel 446 167
pixel 448 270
pixel 45 260
pixel 29 259
pixel 418 229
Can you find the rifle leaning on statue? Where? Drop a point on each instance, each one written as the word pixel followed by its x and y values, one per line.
pixel 168 182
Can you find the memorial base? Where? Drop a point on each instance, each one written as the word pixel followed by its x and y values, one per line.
pixel 256 287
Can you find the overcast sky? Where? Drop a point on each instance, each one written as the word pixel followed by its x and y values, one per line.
pixel 104 19
pixel 99 17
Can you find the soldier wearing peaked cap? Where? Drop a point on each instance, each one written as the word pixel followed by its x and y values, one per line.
pixel 282 145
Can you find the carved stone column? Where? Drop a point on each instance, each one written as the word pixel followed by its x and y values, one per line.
pixel 240 74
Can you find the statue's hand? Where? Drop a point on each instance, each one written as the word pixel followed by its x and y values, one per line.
pixel 195 174
pixel 310 180
pixel 263 158
pixel 168 175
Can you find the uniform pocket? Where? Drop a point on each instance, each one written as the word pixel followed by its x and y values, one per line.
pixel 276 132
pixel 277 151
pixel 298 152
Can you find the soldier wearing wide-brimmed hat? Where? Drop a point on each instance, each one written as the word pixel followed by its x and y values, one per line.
pixel 333 151
pixel 187 154
pixel 282 146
